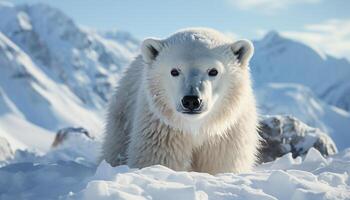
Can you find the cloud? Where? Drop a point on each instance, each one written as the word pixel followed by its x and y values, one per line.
pixel 331 36
pixel 268 5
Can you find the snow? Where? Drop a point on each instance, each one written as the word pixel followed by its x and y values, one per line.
pixel 26 93
pixel 53 66
pixel 77 176
pixel 22 134
pixel 302 180
pixel 23 21
pixel 281 60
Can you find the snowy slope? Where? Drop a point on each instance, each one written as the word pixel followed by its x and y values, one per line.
pixel 30 99
pixel 279 59
pixel 54 74
pixel 22 134
pixel 122 37
pixel 80 59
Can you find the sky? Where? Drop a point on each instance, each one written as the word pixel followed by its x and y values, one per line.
pixel 323 24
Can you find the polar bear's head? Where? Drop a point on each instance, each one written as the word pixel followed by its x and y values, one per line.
pixel 195 75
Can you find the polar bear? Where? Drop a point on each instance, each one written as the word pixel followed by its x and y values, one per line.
pixel 186 103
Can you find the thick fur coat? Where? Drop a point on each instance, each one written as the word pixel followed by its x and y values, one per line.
pixel 146 125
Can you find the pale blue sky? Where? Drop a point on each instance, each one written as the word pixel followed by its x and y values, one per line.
pixel 248 19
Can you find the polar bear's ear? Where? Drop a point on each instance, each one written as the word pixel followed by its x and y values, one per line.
pixel 243 51
pixel 150 49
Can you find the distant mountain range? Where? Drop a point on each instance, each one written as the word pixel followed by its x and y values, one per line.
pixel 54 73
pixel 278 59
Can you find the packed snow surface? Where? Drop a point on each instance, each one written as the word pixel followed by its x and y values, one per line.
pixel 70 172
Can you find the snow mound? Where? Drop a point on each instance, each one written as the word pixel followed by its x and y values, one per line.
pixel 284 134
pixel 313 178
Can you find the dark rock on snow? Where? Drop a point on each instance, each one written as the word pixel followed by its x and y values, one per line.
pixel 284 134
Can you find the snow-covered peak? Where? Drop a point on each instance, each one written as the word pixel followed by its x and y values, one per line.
pixel 31 101
pixel 276 45
pixel 271 37
pixel 84 61
pixel 52 67
pixel 278 59
pixel 39 14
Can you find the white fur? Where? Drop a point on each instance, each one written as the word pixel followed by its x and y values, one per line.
pixel 144 126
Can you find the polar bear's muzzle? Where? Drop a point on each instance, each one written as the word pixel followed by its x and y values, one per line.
pixel 191 104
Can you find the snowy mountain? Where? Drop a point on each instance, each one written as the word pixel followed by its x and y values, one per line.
pixel 78 58
pixel 122 37
pixel 292 78
pixel 282 60
pixel 32 99
pixel 54 74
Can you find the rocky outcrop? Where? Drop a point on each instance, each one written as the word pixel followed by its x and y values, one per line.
pixel 64 133
pixel 284 134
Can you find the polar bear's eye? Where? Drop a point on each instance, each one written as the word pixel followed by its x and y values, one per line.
pixel 174 72
pixel 213 72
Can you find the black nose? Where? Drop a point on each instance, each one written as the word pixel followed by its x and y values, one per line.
pixel 191 102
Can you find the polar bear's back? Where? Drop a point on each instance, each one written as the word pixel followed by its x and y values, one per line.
pixel 120 114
